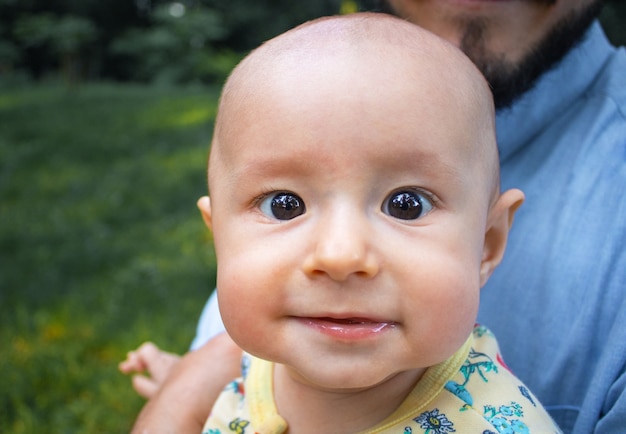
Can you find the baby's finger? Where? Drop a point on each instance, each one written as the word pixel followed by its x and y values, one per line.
pixel 145 386
pixel 148 351
pixel 132 364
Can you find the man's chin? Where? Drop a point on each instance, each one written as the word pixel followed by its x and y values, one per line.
pixel 510 80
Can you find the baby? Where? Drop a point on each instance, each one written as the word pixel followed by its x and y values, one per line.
pixel 356 213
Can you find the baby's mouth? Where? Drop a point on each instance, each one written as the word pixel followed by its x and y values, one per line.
pixel 350 321
pixel 350 327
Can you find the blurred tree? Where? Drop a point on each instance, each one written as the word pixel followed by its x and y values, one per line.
pixel 66 37
pixel 178 47
pixel 108 18
pixel 9 54
pixel 134 39
pixel 202 39
pixel 348 7
pixel 252 22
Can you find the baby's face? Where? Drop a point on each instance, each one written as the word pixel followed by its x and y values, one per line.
pixel 349 222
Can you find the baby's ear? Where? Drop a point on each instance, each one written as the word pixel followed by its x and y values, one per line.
pixel 499 222
pixel 204 205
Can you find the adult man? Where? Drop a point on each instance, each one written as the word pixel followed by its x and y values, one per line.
pixel 557 301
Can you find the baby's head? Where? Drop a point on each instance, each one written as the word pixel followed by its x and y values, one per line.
pixel 354 200
pixel 376 62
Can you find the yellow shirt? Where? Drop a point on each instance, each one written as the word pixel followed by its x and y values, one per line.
pixel 471 392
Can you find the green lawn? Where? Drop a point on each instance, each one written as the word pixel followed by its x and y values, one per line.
pixel 101 245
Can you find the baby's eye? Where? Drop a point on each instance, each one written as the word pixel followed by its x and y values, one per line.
pixel 282 205
pixel 407 204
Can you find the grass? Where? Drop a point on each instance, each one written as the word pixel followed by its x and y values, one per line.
pixel 101 246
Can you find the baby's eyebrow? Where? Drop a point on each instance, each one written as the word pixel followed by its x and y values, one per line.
pixel 427 162
pixel 419 162
pixel 275 166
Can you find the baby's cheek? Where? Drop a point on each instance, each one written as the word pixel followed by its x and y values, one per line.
pixel 463 309
pixel 450 304
pixel 233 296
pixel 245 303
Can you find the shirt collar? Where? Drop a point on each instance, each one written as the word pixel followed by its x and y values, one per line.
pixel 553 93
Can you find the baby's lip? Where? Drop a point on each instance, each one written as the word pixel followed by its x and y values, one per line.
pixel 348 326
pixel 349 320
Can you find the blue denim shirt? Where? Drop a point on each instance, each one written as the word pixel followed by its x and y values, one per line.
pixel 557 304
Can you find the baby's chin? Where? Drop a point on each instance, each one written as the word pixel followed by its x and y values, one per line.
pixel 348 379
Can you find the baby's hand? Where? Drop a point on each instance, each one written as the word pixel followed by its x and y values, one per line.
pixel 148 359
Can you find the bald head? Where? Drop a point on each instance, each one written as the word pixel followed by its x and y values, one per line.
pixel 377 65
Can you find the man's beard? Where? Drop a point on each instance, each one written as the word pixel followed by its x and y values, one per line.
pixel 510 80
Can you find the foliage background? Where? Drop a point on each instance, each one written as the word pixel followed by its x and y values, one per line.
pixel 161 41
pixel 106 112
pixel 101 246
